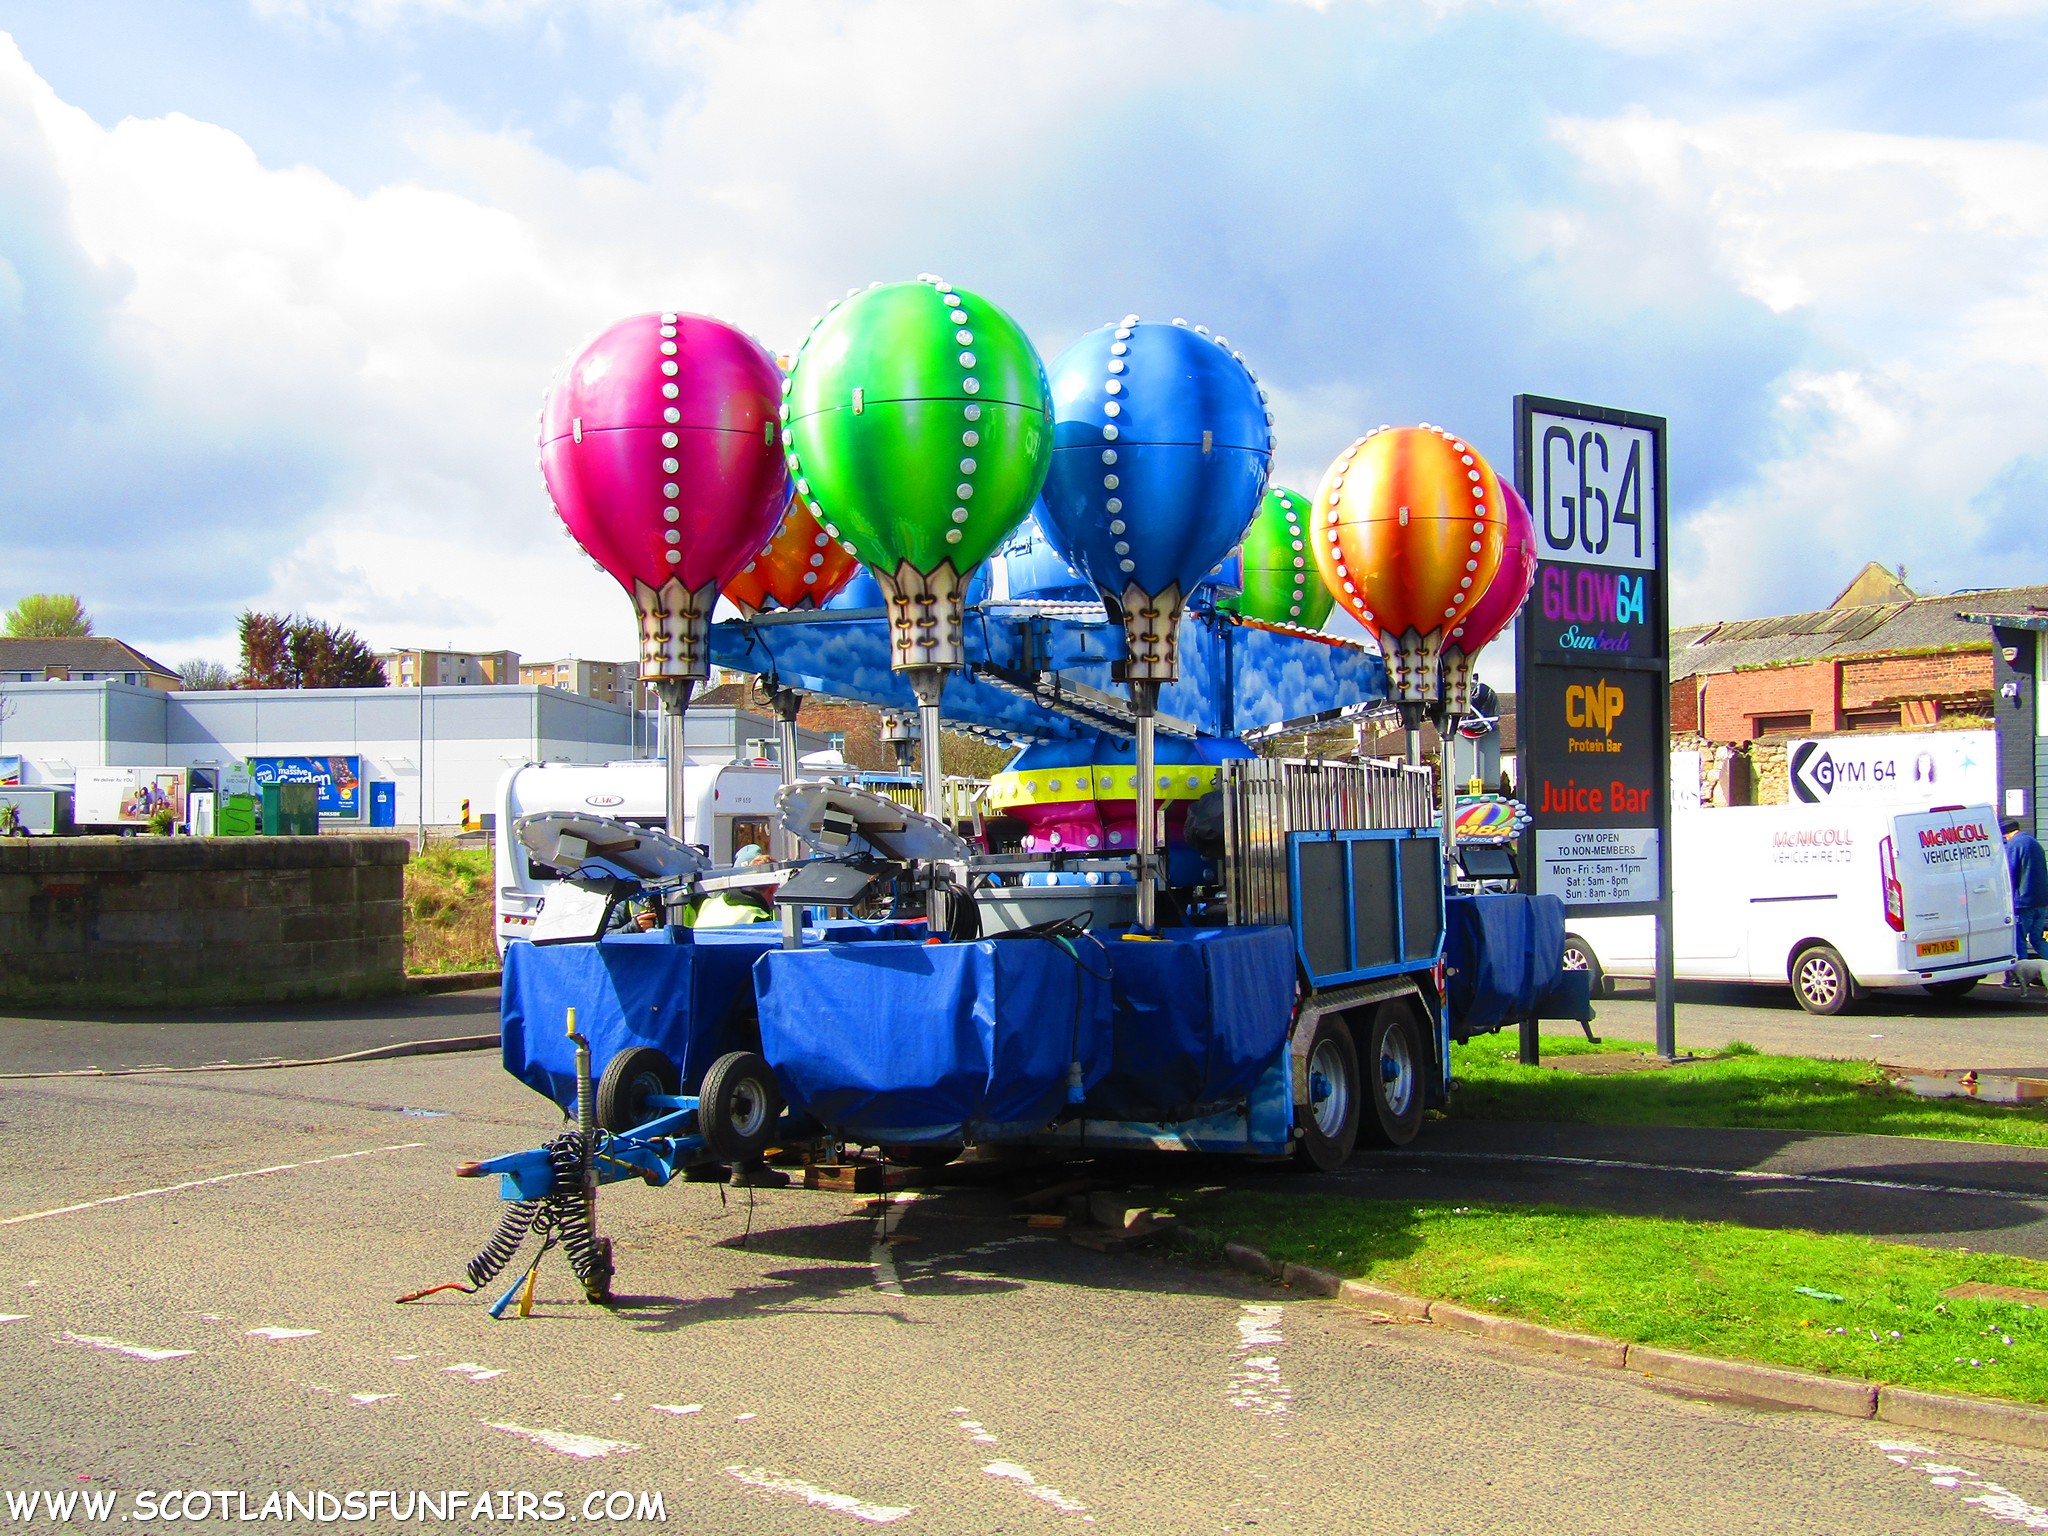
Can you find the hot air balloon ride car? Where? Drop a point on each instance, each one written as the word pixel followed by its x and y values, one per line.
pixel 660 448
pixel 1162 448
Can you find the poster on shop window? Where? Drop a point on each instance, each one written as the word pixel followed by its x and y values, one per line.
pixel 1594 655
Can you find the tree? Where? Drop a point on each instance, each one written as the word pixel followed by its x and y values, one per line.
pixel 283 650
pixel 48 616
pixel 200 676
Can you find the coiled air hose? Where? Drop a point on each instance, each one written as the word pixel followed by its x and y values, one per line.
pixel 560 1216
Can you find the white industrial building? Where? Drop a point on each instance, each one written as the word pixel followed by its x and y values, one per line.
pixel 437 746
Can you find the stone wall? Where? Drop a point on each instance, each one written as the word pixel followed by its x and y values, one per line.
pixel 111 922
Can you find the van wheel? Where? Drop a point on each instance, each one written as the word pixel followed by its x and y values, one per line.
pixel 1579 956
pixel 1329 1121
pixel 1949 991
pixel 1821 981
pixel 1395 1063
pixel 628 1079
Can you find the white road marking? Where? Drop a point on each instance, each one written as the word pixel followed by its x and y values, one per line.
pixel 279 1335
pixel 123 1347
pixel 976 1431
pixel 1258 1323
pixel 583 1447
pixel 219 1178
pixel 1255 1385
pixel 367 1398
pixel 472 1370
pixel 1994 1499
pixel 820 1498
pixel 677 1407
pixel 12 1317
pixel 1009 1471
pixel 881 1254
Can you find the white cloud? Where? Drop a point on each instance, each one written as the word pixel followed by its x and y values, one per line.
pixel 1075 159
pixel 1921 265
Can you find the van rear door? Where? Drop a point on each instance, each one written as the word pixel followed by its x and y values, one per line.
pixel 1953 902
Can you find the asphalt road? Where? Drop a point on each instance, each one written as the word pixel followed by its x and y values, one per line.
pixel 73 1042
pixel 1993 1029
pixel 775 1367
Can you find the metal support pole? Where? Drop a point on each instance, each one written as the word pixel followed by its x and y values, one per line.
pixel 1412 715
pixel 787 702
pixel 929 684
pixel 1450 799
pixel 675 703
pixel 1667 992
pixel 1144 704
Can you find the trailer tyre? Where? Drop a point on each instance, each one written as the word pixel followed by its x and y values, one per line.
pixel 1579 956
pixel 1821 980
pixel 1396 1062
pixel 738 1107
pixel 1329 1121
pixel 629 1078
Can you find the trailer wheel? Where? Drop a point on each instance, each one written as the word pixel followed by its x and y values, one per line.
pixel 1579 956
pixel 1821 980
pixel 1329 1122
pixel 738 1107
pixel 629 1078
pixel 1395 1062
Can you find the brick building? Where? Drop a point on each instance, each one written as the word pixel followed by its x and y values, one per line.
pixel 1904 662
pixel 1881 657
pixel 82 659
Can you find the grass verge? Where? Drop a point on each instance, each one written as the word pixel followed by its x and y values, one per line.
pixel 1737 1088
pixel 1706 1287
pixel 449 911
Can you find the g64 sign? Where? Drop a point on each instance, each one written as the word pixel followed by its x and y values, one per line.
pixel 1594 492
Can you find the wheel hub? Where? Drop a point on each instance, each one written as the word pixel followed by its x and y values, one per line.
pixel 748 1109
pixel 1397 1071
pixel 1329 1089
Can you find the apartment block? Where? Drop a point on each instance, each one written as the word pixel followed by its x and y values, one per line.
pixel 449 669
pixel 610 681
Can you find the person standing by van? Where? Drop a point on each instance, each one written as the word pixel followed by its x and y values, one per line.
pixel 2028 866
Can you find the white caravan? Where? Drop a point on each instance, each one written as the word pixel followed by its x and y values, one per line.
pixel 727 806
pixel 1832 899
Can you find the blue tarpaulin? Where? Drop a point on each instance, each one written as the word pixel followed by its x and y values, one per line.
pixel 1198 1016
pixel 1505 955
pixel 917 1043
pixel 687 993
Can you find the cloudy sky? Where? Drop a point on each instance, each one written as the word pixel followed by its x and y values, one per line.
pixel 281 281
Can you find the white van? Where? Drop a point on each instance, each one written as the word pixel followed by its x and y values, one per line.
pixel 728 805
pixel 1834 900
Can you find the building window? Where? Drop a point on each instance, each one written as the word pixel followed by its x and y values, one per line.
pixel 1871 720
pixel 837 741
pixel 1783 725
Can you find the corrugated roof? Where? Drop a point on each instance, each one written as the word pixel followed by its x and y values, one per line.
pixel 88 653
pixel 1875 629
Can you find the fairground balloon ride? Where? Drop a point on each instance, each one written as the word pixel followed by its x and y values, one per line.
pixel 1193 946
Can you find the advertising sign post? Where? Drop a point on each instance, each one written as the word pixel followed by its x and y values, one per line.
pixel 339 780
pixel 1593 653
